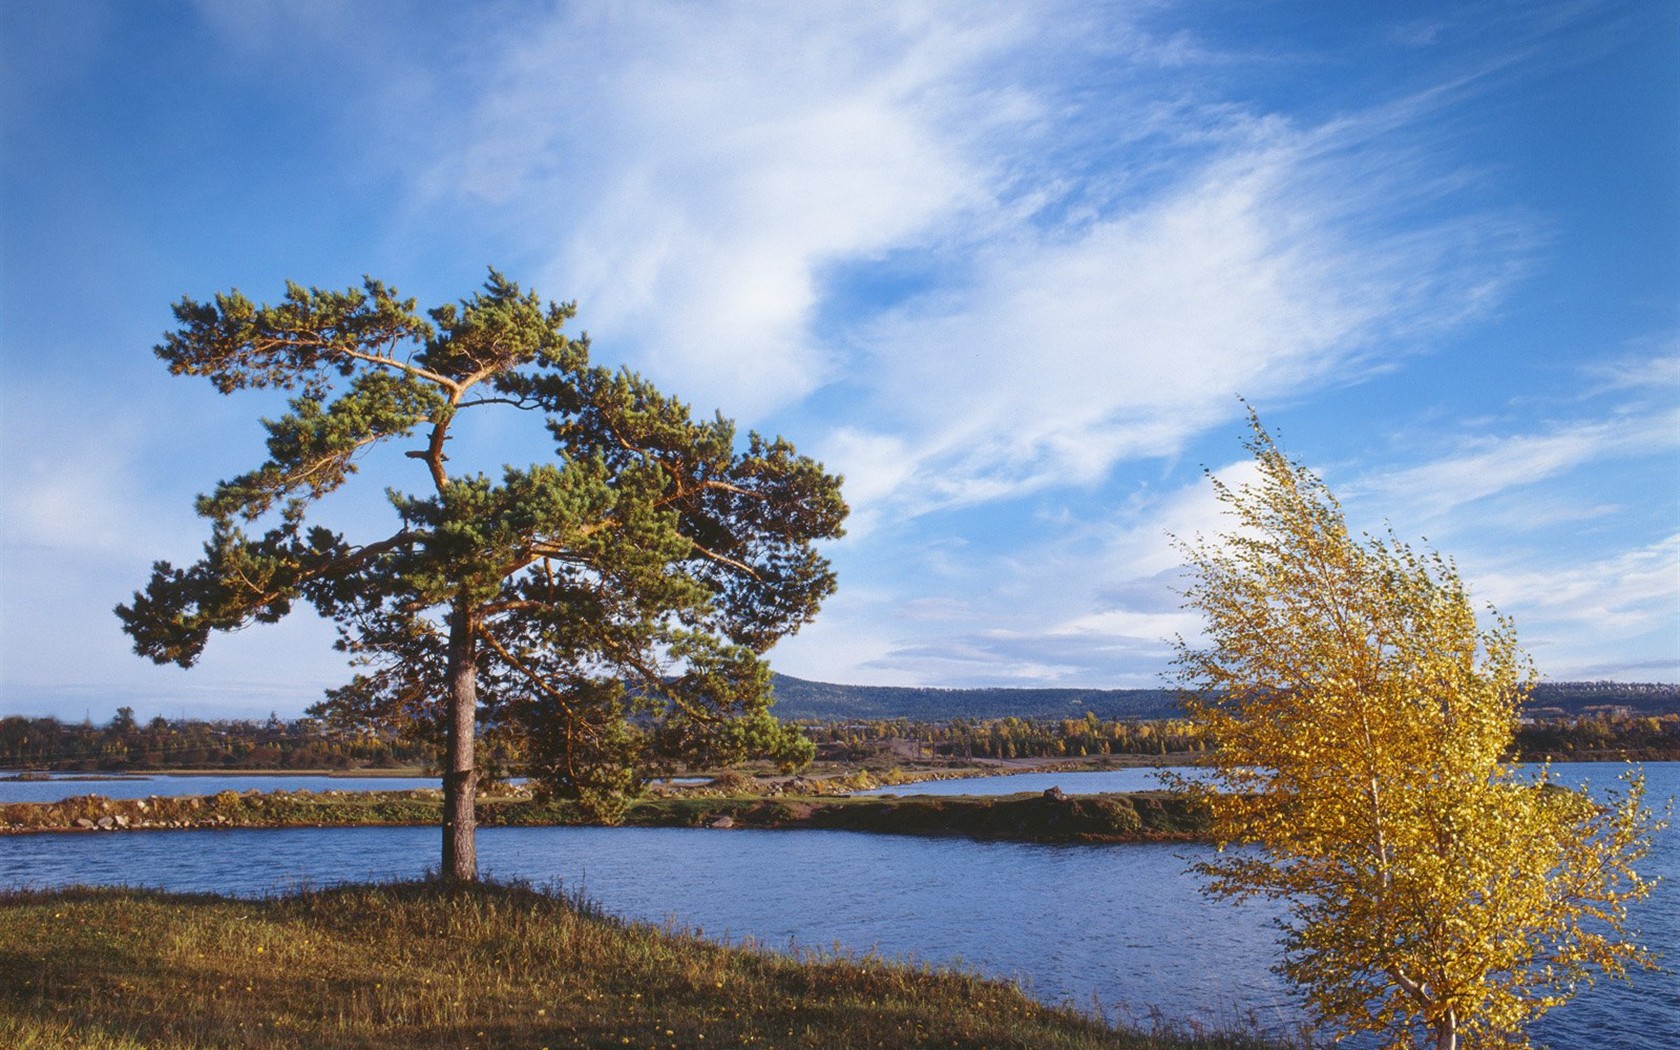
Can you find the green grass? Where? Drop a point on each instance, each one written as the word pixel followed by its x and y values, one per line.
pixel 423 965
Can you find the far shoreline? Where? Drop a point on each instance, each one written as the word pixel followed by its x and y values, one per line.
pixel 1047 817
pixel 894 777
pixel 140 774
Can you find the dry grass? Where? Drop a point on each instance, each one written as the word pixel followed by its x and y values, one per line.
pixel 421 965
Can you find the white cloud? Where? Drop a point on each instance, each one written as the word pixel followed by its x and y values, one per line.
pixel 937 609
pixel 1595 617
pixel 92 506
pixel 1124 623
pixel 1097 277
pixel 1614 593
pixel 77 484
pixel 256 25
pixel 1124 339
pixel 693 170
pixel 1068 599
pixel 851 642
pixel 1490 465
pixel 1141 543
pixel 1657 373
pixel 874 466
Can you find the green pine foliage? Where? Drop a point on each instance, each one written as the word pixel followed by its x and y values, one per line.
pixel 602 612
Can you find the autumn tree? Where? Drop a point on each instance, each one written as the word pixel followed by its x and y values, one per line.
pixel 601 610
pixel 1434 893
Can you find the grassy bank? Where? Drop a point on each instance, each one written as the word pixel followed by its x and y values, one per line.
pixel 1140 816
pixel 423 966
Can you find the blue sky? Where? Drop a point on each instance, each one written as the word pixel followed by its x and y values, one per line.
pixel 1008 267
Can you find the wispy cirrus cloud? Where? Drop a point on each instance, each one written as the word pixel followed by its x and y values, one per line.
pixel 1560 514
pixel 1650 374
pixel 1063 277
pixel 688 173
pixel 1488 465
pixel 1585 617
pixel 1084 600
pixel 1622 591
pixel 1075 350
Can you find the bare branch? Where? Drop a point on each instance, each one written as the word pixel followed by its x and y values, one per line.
pixel 725 560
pixel 519 665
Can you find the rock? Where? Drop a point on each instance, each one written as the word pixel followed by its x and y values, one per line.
pixel 83 822
pixel 1055 794
pixel 725 821
pixel 122 820
pixel 107 823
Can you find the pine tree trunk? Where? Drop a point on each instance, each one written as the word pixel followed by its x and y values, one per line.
pixel 460 777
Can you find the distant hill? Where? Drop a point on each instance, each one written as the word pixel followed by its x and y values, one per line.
pixel 825 702
pixel 1576 698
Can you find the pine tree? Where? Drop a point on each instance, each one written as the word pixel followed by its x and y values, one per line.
pixel 602 611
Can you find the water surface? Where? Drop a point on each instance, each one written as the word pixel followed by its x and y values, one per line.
pixel 1123 925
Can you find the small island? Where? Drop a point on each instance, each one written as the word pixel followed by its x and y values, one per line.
pixel 1050 816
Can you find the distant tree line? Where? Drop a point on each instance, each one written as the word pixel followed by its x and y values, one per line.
pixel 1653 738
pixel 1007 737
pixel 1609 735
pixel 125 744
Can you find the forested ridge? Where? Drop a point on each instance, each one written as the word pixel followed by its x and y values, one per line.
pixel 797 698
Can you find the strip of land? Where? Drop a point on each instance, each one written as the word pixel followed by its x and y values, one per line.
pixel 1049 817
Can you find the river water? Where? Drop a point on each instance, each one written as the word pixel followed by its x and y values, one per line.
pixel 1123 926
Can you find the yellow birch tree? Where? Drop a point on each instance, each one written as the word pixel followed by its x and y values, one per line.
pixel 1435 894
